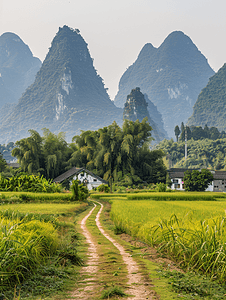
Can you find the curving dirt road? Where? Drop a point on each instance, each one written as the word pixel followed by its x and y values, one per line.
pixel 138 288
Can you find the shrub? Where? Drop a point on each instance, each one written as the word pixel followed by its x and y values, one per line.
pixel 79 191
pixel 28 183
pixel 103 188
pixel 160 187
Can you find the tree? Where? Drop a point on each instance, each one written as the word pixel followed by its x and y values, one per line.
pixel 196 180
pixel 120 154
pixel 3 163
pixel 177 132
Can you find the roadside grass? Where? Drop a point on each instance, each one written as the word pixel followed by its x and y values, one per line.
pixel 58 272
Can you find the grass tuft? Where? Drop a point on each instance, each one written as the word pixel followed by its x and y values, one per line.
pixel 111 292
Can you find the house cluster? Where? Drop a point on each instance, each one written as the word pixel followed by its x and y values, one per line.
pixel 218 184
pixel 83 175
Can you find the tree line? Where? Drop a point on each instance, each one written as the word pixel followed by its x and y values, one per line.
pixel 197 133
pixel 116 154
pixel 205 153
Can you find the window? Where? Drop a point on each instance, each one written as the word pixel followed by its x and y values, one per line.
pixel 175 180
pixel 94 179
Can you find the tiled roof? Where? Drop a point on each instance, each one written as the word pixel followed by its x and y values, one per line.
pixel 179 173
pixel 14 165
pixel 76 171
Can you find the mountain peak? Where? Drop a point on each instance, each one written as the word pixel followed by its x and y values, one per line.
pixel 18 67
pixel 172 76
pixel 67 95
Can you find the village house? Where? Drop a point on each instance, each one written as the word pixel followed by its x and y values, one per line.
pixel 83 175
pixel 177 174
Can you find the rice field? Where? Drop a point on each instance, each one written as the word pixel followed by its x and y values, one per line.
pixel 29 235
pixel 190 232
pixel 42 208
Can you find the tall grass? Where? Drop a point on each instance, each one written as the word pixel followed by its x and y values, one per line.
pixel 200 245
pixel 193 233
pixel 23 246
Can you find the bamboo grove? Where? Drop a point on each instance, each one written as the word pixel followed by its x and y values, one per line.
pixel 114 153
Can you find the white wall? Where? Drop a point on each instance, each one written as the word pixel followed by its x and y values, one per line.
pixel 92 181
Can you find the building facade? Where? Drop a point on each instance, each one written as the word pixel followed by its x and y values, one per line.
pixel 218 184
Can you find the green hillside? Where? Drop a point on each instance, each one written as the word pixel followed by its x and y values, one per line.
pixel 210 107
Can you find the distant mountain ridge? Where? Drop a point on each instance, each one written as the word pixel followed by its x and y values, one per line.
pixel 210 107
pixel 67 95
pixel 18 68
pixel 135 108
pixel 172 76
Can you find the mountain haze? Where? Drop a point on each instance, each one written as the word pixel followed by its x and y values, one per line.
pixel 210 107
pixel 67 95
pixel 18 68
pixel 172 76
pixel 135 108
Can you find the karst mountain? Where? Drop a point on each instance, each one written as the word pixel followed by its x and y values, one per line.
pixel 210 107
pixel 135 108
pixel 67 95
pixel 18 68
pixel 172 76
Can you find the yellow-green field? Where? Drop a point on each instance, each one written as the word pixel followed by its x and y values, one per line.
pixel 191 232
pixel 42 208
pixel 149 211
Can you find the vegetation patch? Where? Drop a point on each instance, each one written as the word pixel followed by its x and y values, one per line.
pixel 111 292
pixel 38 253
pixel 196 239
pixel 191 285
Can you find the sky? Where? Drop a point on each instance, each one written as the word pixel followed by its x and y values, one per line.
pixel 116 30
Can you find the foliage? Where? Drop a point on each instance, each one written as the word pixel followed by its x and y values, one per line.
pixel 161 187
pixel 28 183
pixel 194 285
pixel 177 131
pixel 112 292
pixel 45 250
pixel 122 155
pixel 210 106
pixel 22 247
pixel 103 188
pixel 45 155
pixel 3 163
pixel 79 191
pixel 196 180
pixel 205 153
pixel 198 133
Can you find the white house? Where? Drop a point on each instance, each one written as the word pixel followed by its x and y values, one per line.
pixel 218 184
pixel 83 175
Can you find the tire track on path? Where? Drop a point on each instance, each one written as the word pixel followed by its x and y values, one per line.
pixel 137 285
pixel 138 289
pixel 92 268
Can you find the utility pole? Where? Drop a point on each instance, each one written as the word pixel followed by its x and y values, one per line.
pixel 186 149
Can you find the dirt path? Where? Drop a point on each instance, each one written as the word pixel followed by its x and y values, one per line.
pixel 138 288
pixel 87 286
pixel 137 285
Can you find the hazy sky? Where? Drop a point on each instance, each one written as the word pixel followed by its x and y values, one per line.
pixel 116 30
